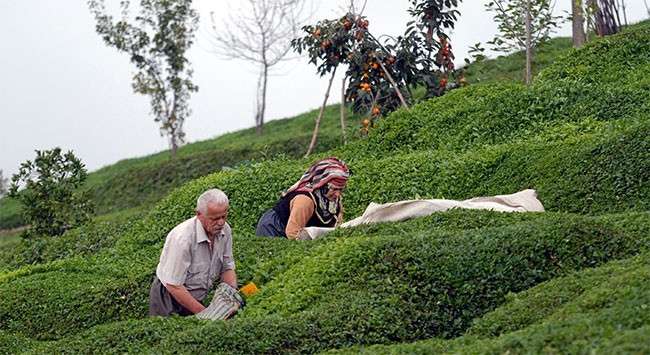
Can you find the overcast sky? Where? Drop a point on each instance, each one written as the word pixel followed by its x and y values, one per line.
pixel 61 86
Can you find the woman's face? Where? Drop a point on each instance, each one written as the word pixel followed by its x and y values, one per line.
pixel 334 193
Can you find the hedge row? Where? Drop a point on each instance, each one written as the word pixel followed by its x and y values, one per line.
pixel 378 287
pixel 499 113
pixel 604 80
pixel 604 61
pixel 582 174
pixel 100 235
pixel 601 310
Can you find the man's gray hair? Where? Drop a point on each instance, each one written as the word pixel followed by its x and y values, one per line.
pixel 214 196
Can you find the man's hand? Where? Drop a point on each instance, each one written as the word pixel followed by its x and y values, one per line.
pixel 183 296
pixel 230 278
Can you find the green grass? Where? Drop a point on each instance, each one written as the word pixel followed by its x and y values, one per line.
pixel 568 279
pixel 509 68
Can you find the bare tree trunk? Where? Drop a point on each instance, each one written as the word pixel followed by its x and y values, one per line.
pixel 624 8
pixel 314 135
pixel 647 8
pixel 606 16
pixel 392 81
pixel 173 132
pixel 261 107
pixel 578 20
pixel 343 108
pixel 529 48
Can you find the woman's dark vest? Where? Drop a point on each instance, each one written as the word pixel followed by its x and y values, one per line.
pixel 283 211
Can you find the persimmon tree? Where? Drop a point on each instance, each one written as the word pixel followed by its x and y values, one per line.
pixel 382 72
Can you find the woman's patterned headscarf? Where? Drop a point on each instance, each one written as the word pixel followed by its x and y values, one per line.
pixel 329 171
pixel 322 175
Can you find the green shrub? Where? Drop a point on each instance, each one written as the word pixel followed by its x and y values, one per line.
pixel 100 234
pixel 51 200
pixel 602 61
pixel 375 288
pixel 581 143
pixel 600 310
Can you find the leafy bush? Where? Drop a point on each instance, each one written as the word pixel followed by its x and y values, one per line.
pixel 350 288
pixel 599 310
pixel 405 281
pixel 98 235
pixel 50 198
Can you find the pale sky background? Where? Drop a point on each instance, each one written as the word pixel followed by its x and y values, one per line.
pixel 61 86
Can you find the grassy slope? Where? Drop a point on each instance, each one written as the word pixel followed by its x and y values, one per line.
pixel 141 182
pixel 467 264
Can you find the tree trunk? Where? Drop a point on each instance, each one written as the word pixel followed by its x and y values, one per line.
pixel 392 81
pixel 343 112
pixel 624 8
pixel 605 16
pixel 529 47
pixel 261 107
pixel 647 8
pixel 578 20
pixel 314 135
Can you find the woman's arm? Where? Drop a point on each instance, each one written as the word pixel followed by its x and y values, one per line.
pixel 301 209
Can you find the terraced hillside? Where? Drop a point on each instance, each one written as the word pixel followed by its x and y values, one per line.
pixel 141 182
pixel 573 278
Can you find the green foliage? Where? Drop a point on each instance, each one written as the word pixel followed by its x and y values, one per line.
pixel 10 213
pixel 455 274
pixel 156 41
pixel 510 67
pixel 51 200
pixel 100 234
pixel 360 287
pixel 509 16
pixel 601 310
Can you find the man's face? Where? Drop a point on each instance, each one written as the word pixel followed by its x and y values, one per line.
pixel 214 218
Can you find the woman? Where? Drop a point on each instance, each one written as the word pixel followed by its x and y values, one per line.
pixel 313 201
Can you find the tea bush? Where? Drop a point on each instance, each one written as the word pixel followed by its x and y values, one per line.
pixel 601 310
pixel 582 144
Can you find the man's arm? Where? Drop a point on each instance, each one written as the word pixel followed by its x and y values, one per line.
pixel 183 296
pixel 230 278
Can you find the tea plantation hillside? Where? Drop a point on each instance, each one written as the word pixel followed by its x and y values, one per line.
pixel 141 182
pixel 571 279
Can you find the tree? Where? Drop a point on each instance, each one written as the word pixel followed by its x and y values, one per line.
pixel 3 184
pixel 578 23
pixel 381 77
pixel 156 40
pixel 261 34
pixel 606 20
pixel 52 202
pixel 522 25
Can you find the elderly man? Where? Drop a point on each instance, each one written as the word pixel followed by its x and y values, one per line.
pixel 196 252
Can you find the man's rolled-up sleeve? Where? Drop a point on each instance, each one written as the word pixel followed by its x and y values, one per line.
pixel 175 259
